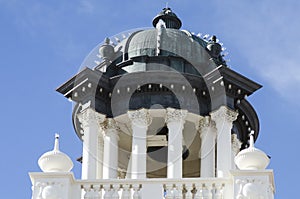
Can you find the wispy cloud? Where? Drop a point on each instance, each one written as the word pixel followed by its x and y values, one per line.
pixel 267 33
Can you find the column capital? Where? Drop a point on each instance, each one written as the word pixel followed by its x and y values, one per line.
pixel 224 113
pixel 89 115
pixel 110 123
pixel 140 117
pixel 175 115
pixel 235 143
pixel 206 123
pixel 110 128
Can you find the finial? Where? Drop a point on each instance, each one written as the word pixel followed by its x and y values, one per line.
pixel 56 142
pixel 251 139
pixel 214 38
pixel 167 4
pixel 107 40
pixel 251 158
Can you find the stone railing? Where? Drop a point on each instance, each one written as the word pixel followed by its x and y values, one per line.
pixel 212 188
pixel 238 185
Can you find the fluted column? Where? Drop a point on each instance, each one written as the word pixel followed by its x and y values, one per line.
pixel 224 118
pixel 208 132
pixel 90 120
pixel 175 120
pixel 111 149
pixel 235 148
pixel 140 120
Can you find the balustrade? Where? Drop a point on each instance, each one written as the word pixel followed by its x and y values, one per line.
pixel 171 189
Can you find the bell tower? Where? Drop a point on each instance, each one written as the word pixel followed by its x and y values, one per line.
pixel 161 115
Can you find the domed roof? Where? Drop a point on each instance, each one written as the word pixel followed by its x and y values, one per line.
pixel 165 40
pixel 55 160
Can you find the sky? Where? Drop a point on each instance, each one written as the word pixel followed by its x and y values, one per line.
pixel 43 44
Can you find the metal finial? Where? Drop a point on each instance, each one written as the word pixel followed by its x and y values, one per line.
pixel 56 142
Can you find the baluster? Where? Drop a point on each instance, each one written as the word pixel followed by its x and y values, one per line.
pixel 115 194
pixel 218 191
pixel 188 194
pixel 169 194
pixel 126 192
pixel 198 194
pixel 207 194
pixel 97 192
pixel 87 189
pixel 135 188
pixel 177 192
pixel 107 194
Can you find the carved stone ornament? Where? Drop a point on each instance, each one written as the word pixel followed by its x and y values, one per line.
pixel 109 124
pixel 140 117
pixel 53 190
pixel 250 188
pixel 110 128
pixel 89 115
pixel 235 144
pixel 224 113
pixel 175 115
pixel 206 122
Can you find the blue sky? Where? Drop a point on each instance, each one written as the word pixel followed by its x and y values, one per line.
pixel 43 44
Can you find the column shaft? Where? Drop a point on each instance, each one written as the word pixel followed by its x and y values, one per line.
pixel 224 118
pixel 140 120
pixel 111 150
pixel 90 122
pixel 100 156
pixel 175 122
pixel 207 151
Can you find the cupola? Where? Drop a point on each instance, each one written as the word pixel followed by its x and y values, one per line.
pixel 169 17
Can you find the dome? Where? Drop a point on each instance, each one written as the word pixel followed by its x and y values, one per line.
pixel 165 40
pixel 251 158
pixel 55 160
pixel 162 42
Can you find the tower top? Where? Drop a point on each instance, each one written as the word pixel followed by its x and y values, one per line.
pixel 170 18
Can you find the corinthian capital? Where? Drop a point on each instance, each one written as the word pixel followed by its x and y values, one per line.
pixel 140 117
pixel 109 124
pixel 224 113
pixel 175 115
pixel 89 115
pixel 235 144
pixel 206 123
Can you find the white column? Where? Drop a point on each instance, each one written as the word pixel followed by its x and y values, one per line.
pixel 235 145
pixel 175 120
pixel 140 120
pixel 90 120
pixel 208 132
pixel 224 118
pixel 111 149
pixel 100 155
